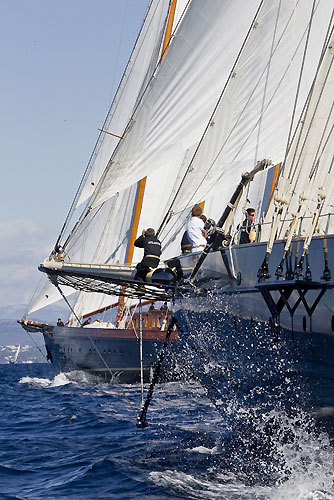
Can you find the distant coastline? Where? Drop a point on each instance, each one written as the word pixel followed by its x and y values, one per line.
pixel 11 335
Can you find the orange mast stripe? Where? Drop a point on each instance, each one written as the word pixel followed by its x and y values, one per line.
pixel 273 184
pixel 135 221
pixel 168 29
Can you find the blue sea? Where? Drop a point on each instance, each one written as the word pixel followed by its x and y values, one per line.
pixel 63 436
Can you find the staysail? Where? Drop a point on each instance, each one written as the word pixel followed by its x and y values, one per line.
pixel 102 235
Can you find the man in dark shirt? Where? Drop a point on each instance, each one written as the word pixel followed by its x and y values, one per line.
pixel 87 322
pixel 152 251
pixel 185 244
pixel 247 226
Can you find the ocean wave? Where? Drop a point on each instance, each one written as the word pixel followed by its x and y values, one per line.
pixel 57 381
pixel 79 440
pixel 75 377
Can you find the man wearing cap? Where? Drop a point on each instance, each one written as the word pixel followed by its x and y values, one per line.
pixel 152 251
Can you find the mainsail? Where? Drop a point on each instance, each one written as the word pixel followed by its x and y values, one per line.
pixel 181 95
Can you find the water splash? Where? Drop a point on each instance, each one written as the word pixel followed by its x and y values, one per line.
pixel 275 456
pixel 59 380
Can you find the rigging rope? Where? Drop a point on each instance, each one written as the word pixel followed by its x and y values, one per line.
pixel 31 338
pixel 299 84
pixel 141 350
pixel 317 211
pixel 310 123
pixel 296 162
pixel 302 197
pixel 279 201
pixel 118 50
pixel 34 295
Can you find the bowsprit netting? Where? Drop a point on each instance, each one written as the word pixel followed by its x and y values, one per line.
pixel 118 286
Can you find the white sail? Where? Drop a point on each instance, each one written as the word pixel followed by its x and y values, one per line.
pixel 103 238
pixel 47 296
pixel 17 353
pixel 254 114
pixel 142 62
pixel 182 94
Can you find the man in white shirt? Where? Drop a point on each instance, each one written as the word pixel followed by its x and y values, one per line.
pixel 195 230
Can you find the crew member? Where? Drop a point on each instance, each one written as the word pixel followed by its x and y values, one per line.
pixel 59 322
pixel 185 244
pixel 87 322
pixel 195 230
pixel 247 226
pixel 152 251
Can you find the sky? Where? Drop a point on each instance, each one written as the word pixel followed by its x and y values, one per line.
pixel 61 62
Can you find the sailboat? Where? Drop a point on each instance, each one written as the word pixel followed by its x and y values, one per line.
pixel 125 349
pixel 16 355
pixel 237 115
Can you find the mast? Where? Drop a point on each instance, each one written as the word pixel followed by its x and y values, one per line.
pixel 142 182
pixel 168 29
